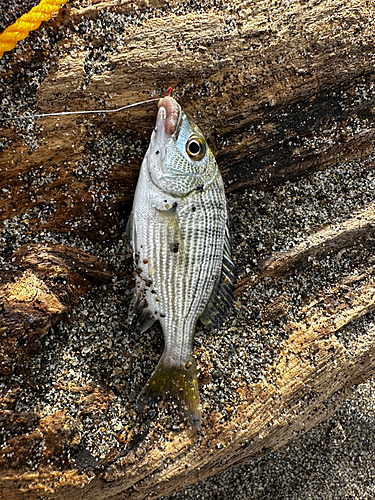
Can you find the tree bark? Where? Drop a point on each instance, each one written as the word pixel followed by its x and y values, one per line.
pixel 281 92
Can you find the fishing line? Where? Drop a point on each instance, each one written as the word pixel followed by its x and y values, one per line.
pixel 63 113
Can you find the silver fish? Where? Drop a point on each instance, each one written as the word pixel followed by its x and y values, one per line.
pixel 179 232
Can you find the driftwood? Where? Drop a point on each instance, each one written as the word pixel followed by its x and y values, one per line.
pixel 42 292
pixel 281 92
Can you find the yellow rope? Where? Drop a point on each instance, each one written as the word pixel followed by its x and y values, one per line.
pixel 26 23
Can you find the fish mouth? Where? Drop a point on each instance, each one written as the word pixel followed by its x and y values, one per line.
pixel 170 118
pixel 168 125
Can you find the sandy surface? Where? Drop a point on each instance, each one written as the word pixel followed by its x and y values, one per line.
pixel 335 460
pixel 97 347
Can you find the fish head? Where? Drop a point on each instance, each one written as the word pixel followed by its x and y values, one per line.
pixel 179 159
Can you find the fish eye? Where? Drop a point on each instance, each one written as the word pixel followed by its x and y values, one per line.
pixel 195 148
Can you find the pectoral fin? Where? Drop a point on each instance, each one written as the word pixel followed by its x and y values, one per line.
pixel 173 236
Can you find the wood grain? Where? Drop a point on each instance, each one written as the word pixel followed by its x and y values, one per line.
pixel 43 291
pixel 281 91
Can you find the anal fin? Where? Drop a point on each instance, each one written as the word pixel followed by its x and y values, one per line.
pixel 140 315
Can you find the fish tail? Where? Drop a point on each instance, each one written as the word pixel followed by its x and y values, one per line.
pixel 179 383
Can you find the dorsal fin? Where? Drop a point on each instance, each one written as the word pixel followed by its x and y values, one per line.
pixel 222 296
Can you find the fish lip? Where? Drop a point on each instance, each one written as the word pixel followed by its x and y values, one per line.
pixel 178 125
pixel 160 138
pixel 167 128
pixel 172 116
pixel 168 125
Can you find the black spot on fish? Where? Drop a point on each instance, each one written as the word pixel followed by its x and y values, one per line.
pixel 162 315
pixel 172 209
pixel 200 188
pixel 148 283
pixel 156 152
pixel 175 247
pixel 193 209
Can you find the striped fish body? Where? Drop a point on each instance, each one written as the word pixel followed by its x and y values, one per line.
pixel 181 244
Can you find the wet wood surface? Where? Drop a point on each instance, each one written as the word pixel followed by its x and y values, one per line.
pixel 281 92
pixel 279 95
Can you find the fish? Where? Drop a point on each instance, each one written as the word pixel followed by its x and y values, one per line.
pixel 179 232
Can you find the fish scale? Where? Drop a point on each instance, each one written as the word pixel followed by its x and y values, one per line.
pixel 180 237
pixel 181 278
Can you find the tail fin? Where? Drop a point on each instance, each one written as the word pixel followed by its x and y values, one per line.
pixel 180 384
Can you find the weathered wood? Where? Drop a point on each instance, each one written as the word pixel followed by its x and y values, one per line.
pixel 312 368
pixel 40 293
pixel 281 92
pixel 359 229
